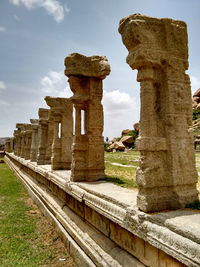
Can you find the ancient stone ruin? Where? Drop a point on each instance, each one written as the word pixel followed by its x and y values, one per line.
pixel 158 49
pixel 101 223
pixel 85 80
pixel 61 113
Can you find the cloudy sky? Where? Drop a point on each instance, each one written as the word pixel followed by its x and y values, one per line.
pixel 36 36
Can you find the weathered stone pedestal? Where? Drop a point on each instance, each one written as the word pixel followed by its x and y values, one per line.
pixel 42 135
pixel 85 79
pixel 158 49
pixel 9 145
pixel 34 142
pixel 18 136
pixel 61 112
pixel 27 141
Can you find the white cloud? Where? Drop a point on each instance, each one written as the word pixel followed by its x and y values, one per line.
pixel 3 103
pixel 116 102
pixel 2 29
pixel 2 85
pixel 55 84
pixel 16 18
pixel 52 7
pixel 121 111
pixel 195 83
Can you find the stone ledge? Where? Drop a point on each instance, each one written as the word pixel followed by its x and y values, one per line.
pixel 164 230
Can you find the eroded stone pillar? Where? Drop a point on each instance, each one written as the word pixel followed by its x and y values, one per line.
pixel 9 145
pixel 61 112
pixel 19 127
pixel 158 49
pixel 42 135
pixel 85 79
pixel 27 140
pixel 50 133
pixel 23 138
pixel 34 141
pixel 15 134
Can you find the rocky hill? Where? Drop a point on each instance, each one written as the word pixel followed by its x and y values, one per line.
pixel 126 141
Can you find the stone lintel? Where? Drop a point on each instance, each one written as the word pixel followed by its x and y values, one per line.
pixel 80 65
pixel 43 113
pixel 58 103
pixel 34 121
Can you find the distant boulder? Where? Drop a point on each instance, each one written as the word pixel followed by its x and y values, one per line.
pixel 125 132
pixel 136 126
pixel 196 100
pixel 127 140
pixel 117 146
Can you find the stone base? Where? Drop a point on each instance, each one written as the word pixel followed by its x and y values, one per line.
pixel 102 226
pixel 87 176
pixel 175 198
pixel 61 165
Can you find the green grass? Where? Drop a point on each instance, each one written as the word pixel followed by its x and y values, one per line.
pixel 19 238
pixel 124 158
pixel 122 176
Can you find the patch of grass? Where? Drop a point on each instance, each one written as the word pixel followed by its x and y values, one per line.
pixel 121 176
pixel 20 241
pixel 125 158
pixel 194 205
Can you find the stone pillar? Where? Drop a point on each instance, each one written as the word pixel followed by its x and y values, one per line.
pixel 42 135
pixel 19 127
pixel 15 134
pixel 49 141
pixel 23 137
pixel 34 142
pixel 158 49
pixel 61 113
pixel 28 141
pixel 85 79
pixel 9 145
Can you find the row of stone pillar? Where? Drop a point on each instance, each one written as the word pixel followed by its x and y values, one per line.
pixel 50 139
pixel 166 175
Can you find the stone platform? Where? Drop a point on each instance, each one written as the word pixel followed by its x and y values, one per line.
pixel 101 224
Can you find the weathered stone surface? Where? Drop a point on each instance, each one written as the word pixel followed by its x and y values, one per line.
pixel 27 141
pixel 196 100
pixel 125 131
pixel 80 65
pixel 61 112
pixel 88 143
pixel 166 175
pixel 9 145
pixel 42 135
pixel 126 140
pixel 35 141
pixel 136 126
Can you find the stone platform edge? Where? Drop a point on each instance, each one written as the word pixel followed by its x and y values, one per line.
pixel 159 230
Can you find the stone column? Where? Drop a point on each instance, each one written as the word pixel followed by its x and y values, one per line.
pixel 85 79
pixel 42 135
pixel 28 137
pixel 23 137
pixel 158 49
pixel 19 127
pixel 15 134
pixel 61 112
pixel 34 142
pixel 49 141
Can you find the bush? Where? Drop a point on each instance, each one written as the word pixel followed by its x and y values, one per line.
pixel 195 114
pixel 106 145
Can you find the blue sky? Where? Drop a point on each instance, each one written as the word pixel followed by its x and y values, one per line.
pixel 36 36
